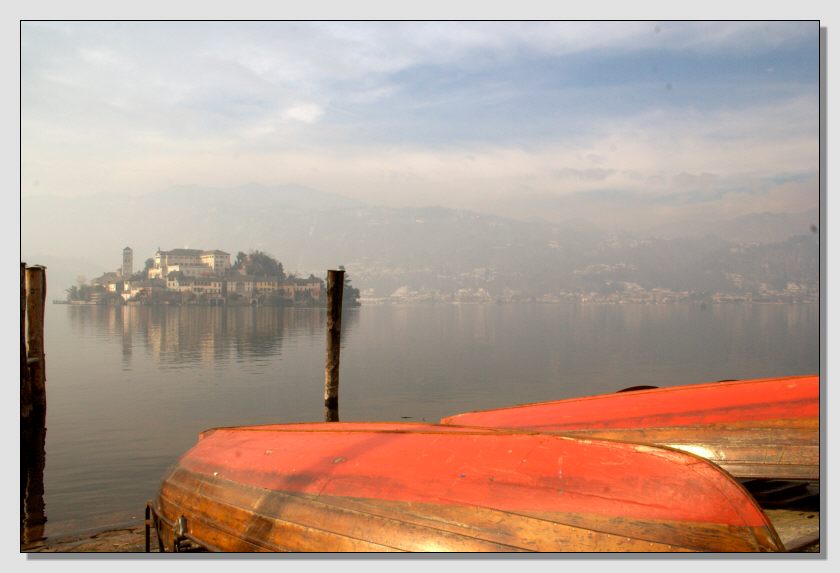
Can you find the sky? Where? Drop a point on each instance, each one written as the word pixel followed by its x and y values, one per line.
pixel 615 121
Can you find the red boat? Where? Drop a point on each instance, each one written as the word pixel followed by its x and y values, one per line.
pixel 422 487
pixel 765 428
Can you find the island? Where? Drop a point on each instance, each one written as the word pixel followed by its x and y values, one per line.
pixel 202 277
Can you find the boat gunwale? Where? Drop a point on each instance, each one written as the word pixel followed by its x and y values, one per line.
pixel 629 396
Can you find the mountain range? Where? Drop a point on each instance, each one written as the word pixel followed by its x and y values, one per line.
pixel 422 248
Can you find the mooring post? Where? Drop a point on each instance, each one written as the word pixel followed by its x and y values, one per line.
pixel 33 402
pixel 36 296
pixel 25 387
pixel 335 292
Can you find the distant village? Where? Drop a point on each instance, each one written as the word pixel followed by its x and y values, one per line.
pixel 194 276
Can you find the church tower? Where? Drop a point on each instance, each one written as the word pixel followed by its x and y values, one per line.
pixel 128 262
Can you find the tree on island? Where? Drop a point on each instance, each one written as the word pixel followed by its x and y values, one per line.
pixel 88 293
pixel 258 263
pixel 350 296
pixel 81 291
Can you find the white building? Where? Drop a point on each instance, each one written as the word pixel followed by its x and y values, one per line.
pixel 191 262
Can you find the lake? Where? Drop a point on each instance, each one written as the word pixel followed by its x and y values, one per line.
pixel 130 388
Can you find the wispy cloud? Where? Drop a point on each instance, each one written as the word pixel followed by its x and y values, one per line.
pixel 522 118
pixel 304 112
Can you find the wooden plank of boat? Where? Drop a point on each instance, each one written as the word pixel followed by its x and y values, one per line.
pixel 423 487
pixel 765 428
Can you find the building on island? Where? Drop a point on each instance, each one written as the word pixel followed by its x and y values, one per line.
pixel 217 260
pixel 210 286
pixel 190 262
pixel 136 289
pixel 106 279
pixel 292 290
pixel 197 276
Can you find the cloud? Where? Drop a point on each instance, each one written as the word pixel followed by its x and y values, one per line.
pixel 304 112
pixel 99 57
pixel 521 118
pixel 435 76
pixel 592 174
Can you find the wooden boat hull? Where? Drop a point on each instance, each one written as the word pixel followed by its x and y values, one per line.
pixel 766 428
pixel 415 487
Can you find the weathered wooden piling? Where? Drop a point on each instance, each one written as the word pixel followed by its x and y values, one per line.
pixel 36 296
pixel 33 401
pixel 25 387
pixel 335 291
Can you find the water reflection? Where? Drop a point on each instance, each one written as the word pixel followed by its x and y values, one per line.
pixel 131 388
pixel 32 461
pixel 177 336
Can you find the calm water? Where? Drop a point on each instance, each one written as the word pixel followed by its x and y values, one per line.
pixel 130 388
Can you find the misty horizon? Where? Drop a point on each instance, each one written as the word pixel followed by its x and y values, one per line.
pixel 432 249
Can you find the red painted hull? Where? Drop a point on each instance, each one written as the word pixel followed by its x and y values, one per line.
pixel 766 428
pixel 417 487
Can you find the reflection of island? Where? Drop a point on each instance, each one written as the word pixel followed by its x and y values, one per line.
pixel 192 334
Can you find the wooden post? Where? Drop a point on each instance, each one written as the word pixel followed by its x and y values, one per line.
pixel 335 292
pixel 36 296
pixel 33 402
pixel 25 386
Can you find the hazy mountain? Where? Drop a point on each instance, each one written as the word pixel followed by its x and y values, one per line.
pixel 752 228
pixel 421 248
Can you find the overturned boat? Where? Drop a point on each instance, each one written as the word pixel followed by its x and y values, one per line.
pixel 371 487
pixel 764 428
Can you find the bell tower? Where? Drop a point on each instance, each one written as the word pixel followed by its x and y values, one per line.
pixel 128 262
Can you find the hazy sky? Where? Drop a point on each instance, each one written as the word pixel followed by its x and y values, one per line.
pixel 556 120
